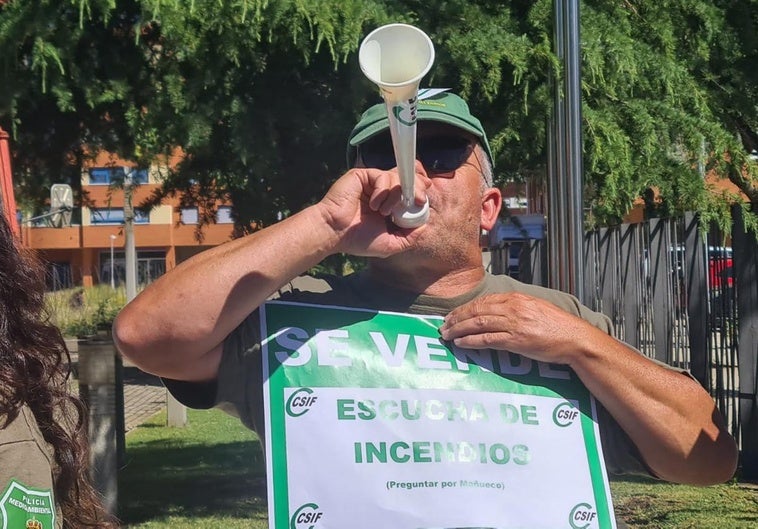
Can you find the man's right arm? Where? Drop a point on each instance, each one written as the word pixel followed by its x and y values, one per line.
pixel 176 327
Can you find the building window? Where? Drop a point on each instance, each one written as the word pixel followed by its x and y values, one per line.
pixel 188 215
pixel 59 276
pixel 116 216
pixel 150 266
pixel 109 175
pixel 224 215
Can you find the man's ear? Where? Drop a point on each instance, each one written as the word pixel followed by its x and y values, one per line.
pixel 492 201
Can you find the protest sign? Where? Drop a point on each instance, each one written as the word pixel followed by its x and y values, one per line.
pixel 374 422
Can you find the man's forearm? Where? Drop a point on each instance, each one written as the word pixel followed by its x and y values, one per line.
pixel 670 418
pixel 176 326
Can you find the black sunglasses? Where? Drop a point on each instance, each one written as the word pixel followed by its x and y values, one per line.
pixel 438 154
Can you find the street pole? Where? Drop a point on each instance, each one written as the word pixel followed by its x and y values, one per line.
pixel 565 171
pixel 129 247
pixel 113 279
pixel 574 151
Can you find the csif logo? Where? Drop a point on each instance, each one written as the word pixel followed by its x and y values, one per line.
pixel 300 402
pixel 306 517
pixel 582 516
pixel 565 414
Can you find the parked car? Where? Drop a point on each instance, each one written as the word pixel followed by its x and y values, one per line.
pixel 720 267
pixel 720 270
pixel 721 285
pixel 511 234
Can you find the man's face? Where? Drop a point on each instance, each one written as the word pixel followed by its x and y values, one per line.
pixel 452 162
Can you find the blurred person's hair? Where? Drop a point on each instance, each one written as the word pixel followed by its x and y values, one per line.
pixel 34 369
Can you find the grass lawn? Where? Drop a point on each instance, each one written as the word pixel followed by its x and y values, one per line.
pixel 648 504
pixel 210 475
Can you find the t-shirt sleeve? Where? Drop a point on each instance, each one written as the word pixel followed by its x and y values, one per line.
pixel 24 461
pixel 195 395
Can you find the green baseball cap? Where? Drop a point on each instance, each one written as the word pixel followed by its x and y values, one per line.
pixel 444 107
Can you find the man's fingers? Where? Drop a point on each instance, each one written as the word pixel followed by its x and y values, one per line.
pixel 479 307
pixel 386 192
pixel 474 324
pixel 487 340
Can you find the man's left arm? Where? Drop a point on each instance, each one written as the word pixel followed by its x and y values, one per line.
pixel 670 418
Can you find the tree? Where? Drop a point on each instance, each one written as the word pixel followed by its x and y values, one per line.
pixel 664 84
pixel 66 82
pixel 260 95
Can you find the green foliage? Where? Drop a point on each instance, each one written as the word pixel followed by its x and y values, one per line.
pixel 261 94
pixel 339 264
pixel 82 312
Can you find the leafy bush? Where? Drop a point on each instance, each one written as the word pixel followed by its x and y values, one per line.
pixel 81 312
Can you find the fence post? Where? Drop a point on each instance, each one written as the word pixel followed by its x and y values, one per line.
pixel 745 248
pixel 533 262
pixel 697 295
pixel 609 272
pixel 98 388
pixel 659 258
pixel 631 263
pixel 590 259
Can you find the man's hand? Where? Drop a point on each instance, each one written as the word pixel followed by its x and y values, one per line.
pixel 518 323
pixel 358 206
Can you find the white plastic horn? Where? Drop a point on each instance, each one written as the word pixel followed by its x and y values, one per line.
pixel 395 57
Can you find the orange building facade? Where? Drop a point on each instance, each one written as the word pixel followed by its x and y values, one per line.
pixel 91 249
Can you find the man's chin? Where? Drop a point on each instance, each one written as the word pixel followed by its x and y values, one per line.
pixel 426 257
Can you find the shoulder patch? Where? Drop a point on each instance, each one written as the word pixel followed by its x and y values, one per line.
pixel 23 507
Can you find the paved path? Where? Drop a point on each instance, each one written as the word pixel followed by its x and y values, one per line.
pixel 144 395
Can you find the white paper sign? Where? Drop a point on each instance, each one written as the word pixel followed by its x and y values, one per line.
pixel 373 422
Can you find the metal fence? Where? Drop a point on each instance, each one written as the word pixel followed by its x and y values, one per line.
pixel 679 292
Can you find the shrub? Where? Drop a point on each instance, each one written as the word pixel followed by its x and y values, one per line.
pixel 81 312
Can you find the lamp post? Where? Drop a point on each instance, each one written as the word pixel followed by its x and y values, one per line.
pixel 113 279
